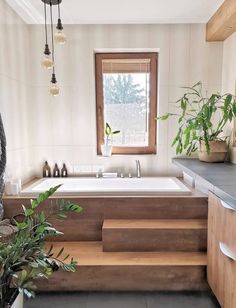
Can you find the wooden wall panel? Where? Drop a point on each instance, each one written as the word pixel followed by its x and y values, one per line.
pixel 223 23
pixel 87 226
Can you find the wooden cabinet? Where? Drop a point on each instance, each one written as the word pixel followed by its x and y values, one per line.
pixel 221 269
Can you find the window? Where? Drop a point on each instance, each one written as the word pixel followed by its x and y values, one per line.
pixel 126 95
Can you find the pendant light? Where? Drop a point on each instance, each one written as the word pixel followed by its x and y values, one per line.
pixel 54 90
pixel 47 61
pixel 60 37
pixel 49 57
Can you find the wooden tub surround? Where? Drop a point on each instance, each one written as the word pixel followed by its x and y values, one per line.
pixel 131 243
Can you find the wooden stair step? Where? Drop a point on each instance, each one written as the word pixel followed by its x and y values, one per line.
pixel 91 253
pixel 128 271
pixel 155 224
pixel 154 235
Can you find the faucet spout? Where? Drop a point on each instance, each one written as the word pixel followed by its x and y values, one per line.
pixel 138 169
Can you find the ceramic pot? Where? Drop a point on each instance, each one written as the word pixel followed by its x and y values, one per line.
pixel 18 303
pixel 106 148
pixel 14 299
pixel 218 151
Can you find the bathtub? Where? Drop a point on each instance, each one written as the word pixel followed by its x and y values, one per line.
pixel 110 186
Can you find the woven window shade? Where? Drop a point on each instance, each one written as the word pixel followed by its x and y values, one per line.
pixel 119 66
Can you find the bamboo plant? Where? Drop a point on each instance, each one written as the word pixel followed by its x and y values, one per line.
pixel 201 118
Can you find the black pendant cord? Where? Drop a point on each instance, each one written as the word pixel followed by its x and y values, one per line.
pixel 45 19
pixel 59 23
pixel 52 33
pixel 59 11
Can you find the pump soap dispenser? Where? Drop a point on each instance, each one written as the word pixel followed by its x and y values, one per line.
pixel 64 172
pixel 56 171
pixel 46 170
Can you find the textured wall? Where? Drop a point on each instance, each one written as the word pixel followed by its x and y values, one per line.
pixel 63 128
pixel 14 91
pixel 40 127
pixel 229 73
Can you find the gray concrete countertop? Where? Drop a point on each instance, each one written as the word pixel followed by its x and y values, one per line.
pixel 220 176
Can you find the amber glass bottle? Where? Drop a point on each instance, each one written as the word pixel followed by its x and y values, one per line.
pixel 56 171
pixel 46 170
pixel 64 172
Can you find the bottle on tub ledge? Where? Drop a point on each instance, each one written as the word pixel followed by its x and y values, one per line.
pixel 46 170
pixel 64 172
pixel 56 171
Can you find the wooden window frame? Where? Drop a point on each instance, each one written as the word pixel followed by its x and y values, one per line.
pixel 153 56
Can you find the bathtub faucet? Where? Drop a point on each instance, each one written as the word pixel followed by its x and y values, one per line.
pixel 138 169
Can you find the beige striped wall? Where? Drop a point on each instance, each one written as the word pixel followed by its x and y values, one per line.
pixel 64 128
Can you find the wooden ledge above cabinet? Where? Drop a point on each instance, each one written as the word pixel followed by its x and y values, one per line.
pixel 223 23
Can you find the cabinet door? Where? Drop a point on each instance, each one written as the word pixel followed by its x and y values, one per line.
pixel 229 300
pixel 228 250
pixel 222 251
pixel 215 259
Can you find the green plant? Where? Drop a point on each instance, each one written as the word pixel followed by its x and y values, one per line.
pixel 25 258
pixel 121 89
pixel 109 132
pixel 201 118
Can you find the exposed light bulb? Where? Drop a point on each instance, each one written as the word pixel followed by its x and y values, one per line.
pixel 47 62
pixel 60 37
pixel 54 90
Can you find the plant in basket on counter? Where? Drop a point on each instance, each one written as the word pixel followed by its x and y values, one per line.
pixel 202 121
pixel 24 257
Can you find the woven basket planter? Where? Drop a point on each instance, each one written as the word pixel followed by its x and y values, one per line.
pixel 7 231
pixel 218 151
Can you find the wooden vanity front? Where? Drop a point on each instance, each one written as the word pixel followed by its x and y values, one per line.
pixel 222 251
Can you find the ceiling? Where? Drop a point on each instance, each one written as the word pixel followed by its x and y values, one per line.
pixel 122 11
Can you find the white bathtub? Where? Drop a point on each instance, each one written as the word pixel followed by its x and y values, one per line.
pixel 104 186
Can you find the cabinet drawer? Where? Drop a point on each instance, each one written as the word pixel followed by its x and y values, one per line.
pixel 221 269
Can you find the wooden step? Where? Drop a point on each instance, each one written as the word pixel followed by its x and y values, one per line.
pixel 128 271
pixel 154 235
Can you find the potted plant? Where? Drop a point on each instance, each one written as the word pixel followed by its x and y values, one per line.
pixel 106 148
pixel 24 257
pixel 201 123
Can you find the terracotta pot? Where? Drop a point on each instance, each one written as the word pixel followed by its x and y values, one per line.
pixel 218 151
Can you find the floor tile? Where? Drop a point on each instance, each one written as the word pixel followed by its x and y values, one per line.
pixel 124 300
pixel 57 300
pixel 116 300
pixel 181 300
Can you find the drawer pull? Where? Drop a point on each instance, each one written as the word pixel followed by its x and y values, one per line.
pixel 227 206
pixel 227 252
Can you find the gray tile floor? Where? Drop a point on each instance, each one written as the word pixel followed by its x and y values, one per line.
pixel 124 300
